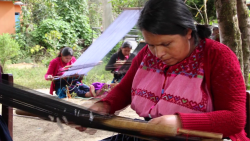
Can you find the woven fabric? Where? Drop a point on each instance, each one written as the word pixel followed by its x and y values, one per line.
pixel 181 88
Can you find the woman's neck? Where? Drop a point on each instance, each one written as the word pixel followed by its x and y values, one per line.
pixel 192 46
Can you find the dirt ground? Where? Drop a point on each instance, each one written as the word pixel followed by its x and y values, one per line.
pixel 31 129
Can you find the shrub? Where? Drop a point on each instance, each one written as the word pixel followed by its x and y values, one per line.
pixel 9 48
pixel 68 38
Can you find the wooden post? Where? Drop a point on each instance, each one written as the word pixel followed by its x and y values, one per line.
pixel 7 112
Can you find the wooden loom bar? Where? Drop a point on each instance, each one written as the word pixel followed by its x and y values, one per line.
pixel 144 128
pixel 156 130
pixel 200 133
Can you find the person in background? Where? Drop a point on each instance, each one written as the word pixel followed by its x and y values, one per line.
pixel 117 60
pixel 216 34
pixel 57 66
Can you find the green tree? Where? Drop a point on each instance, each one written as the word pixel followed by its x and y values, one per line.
pixel 68 38
pixel 9 48
pixel 118 5
pixel 234 30
pixel 74 12
pixel 197 9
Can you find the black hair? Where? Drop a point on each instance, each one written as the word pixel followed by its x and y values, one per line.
pixel 170 17
pixel 127 44
pixel 65 51
pixel 217 28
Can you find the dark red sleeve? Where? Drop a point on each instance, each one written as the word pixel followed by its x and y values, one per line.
pixel 120 96
pixel 228 95
pixel 52 68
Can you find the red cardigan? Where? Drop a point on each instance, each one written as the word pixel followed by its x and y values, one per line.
pixel 224 81
pixel 54 66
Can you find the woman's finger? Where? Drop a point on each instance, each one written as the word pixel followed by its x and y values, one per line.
pixel 80 128
pixel 155 121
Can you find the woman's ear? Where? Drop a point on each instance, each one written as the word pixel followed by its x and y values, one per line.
pixel 189 34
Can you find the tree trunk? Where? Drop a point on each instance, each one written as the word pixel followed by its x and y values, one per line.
pixel 229 28
pixel 107 14
pixel 244 24
pixel 205 12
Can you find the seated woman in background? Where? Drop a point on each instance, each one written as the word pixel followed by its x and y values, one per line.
pixel 216 34
pixel 56 67
pixel 116 59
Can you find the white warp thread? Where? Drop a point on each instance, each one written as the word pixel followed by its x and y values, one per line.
pixel 110 37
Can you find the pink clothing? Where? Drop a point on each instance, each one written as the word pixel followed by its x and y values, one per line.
pixel 173 89
pixel 118 59
pixel 55 66
pixel 222 79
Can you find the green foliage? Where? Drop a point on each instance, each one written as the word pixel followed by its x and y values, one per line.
pixel 9 48
pixel 98 74
pixel 211 11
pixel 75 12
pixel 53 24
pixel 43 9
pixel 52 38
pixel 118 5
pixel 38 53
pixel 50 28
pixel 95 13
pixel 114 50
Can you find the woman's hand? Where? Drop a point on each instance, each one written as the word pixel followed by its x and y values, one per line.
pixel 99 107
pixel 102 108
pixel 168 120
pixel 76 75
pixel 50 77
pixel 117 65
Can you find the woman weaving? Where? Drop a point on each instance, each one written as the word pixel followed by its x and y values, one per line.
pixel 56 66
pixel 117 60
pixel 181 78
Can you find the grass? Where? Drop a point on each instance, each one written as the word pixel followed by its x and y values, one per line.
pixel 29 77
pixel 34 77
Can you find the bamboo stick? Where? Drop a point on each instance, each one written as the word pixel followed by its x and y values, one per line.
pixel 145 128
pixel 156 130
pixel 200 134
